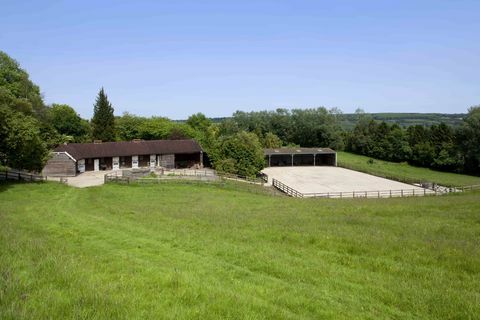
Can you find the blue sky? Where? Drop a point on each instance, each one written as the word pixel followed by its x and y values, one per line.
pixel 176 58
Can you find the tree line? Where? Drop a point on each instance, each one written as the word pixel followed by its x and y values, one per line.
pixel 29 129
pixel 440 147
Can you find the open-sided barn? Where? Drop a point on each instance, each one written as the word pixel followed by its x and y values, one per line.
pixel 72 158
pixel 300 157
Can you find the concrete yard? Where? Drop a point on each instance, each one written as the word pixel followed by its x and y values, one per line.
pixel 83 180
pixel 333 180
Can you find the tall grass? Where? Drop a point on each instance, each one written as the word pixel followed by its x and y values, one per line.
pixel 211 251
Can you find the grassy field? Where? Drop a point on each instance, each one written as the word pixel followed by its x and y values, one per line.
pixel 403 171
pixel 205 251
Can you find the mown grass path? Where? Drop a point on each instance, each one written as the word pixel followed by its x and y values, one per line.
pixel 202 251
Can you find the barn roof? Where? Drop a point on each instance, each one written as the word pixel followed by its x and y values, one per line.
pixel 128 148
pixel 298 151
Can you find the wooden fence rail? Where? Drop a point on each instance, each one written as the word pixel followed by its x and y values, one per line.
pixel 374 194
pixel 181 174
pixel 414 192
pixel 190 172
pixel 17 175
pixel 469 188
pixel 116 177
pixel 199 174
pixel 286 189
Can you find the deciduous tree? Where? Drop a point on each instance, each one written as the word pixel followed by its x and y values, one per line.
pixel 21 144
pixel 67 122
pixel 470 140
pixel 243 152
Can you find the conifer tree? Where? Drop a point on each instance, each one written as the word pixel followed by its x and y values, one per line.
pixel 103 121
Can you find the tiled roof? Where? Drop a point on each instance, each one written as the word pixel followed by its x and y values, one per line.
pixel 128 148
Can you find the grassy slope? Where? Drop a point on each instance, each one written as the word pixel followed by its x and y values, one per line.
pixel 404 171
pixel 208 251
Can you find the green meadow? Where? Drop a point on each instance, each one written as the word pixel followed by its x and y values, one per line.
pixel 223 251
pixel 403 171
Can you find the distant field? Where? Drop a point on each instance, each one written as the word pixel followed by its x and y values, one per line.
pixel 348 120
pixel 403 171
pixel 213 251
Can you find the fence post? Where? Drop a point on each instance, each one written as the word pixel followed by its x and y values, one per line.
pixel 365 194
pixel 414 192
pixel 19 176
pixel 401 191
pixel 378 194
pixel 353 194
pixel 390 193
pixel 341 195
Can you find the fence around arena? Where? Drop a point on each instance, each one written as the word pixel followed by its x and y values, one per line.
pixel 286 189
pixel 414 192
pixel 18 175
pixel 469 188
pixel 199 174
pixel 373 194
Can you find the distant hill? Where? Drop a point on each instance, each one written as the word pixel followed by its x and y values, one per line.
pixel 406 119
pixel 348 120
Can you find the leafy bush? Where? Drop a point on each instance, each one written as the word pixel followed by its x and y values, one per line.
pixel 226 165
pixel 240 153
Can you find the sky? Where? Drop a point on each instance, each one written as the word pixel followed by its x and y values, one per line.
pixel 177 58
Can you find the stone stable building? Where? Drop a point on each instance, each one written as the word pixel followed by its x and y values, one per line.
pixel 73 158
